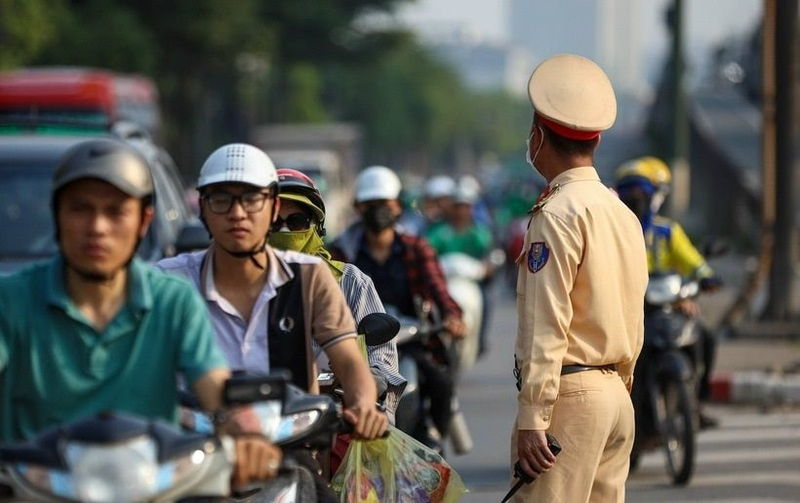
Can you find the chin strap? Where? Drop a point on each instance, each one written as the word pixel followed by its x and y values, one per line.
pixel 262 248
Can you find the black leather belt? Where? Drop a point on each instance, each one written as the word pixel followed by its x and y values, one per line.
pixel 571 369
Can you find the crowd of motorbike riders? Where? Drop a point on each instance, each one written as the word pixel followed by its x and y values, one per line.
pixel 98 326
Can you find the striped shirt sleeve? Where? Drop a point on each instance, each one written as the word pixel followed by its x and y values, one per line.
pixel 363 299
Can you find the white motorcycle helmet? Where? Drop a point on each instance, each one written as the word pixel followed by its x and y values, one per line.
pixel 238 163
pixel 377 182
pixel 439 186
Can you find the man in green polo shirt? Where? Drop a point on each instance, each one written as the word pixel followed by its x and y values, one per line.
pixel 95 328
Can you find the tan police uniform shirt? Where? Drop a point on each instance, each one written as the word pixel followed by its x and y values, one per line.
pixel 580 290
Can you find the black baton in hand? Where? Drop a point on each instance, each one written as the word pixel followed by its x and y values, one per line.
pixel 523 477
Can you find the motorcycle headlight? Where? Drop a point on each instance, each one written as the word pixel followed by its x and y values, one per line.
pixel 295 424
pixel 127 471
pixel 174 472
pixel 663 289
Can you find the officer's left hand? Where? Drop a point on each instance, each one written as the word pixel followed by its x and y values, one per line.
pixel 534 455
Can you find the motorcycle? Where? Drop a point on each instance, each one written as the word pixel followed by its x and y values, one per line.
pixel 411 416
pixel 666 376
pixel 114 456
pixel 119 457
pixel 466 277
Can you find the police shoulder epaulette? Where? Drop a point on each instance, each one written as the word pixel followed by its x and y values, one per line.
pixel 548 194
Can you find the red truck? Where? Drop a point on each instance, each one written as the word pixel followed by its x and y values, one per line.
pixel 80 94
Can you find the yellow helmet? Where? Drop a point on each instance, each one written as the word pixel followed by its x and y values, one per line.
pixel 650 168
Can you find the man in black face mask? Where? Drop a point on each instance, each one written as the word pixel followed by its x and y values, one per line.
pixel 405 271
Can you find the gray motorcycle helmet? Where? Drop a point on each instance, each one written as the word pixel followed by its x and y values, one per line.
pixel 108 160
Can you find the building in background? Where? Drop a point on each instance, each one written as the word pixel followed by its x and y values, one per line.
pixel 483 64
pixel 605 31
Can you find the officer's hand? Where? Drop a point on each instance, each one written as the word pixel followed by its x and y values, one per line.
pixel 368 422
pixel 256 459
pixel 455 326
pixel 534 454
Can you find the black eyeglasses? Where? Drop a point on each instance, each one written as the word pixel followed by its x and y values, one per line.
pixel 295 222
pixel 222 202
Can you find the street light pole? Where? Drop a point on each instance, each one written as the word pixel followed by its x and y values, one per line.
pixel 679 148
pixel 781 124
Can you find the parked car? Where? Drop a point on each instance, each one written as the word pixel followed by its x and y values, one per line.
pixel 27 163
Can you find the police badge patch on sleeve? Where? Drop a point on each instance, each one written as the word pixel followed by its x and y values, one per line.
pixel 537 256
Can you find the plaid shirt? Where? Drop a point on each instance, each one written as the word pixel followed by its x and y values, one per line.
pixel 425 277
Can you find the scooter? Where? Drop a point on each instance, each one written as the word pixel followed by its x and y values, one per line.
pixel 119 457
pixel 411 416
pixel 463 274
pixel 666 376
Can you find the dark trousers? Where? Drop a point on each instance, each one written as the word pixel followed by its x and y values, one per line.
pixel 436 384
pixel 709 344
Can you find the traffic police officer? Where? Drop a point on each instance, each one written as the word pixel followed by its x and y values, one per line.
pixel 580 298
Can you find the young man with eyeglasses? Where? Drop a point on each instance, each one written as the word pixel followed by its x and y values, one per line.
pixel 267 305
pixel 300 226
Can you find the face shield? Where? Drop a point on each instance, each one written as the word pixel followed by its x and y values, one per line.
pixel 638 196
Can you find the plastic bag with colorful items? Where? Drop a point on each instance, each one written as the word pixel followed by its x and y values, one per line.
pixel 395 469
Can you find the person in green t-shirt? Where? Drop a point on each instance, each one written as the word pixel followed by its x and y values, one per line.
pixel 461 233
pixel 94 328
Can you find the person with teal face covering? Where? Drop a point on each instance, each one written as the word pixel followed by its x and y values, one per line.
pixel 300 226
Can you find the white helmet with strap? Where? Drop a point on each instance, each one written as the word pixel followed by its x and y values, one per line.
pixel 238 163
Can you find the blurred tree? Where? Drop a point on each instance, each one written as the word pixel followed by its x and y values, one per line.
pixel 116 39
pixel 499 122
pixel 199 47
pixel 222 67
pixel 303 102
pixel 315 35
pixel 26 26
pixel 408 102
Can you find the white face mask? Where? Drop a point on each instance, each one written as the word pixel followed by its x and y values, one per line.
pixel 538 149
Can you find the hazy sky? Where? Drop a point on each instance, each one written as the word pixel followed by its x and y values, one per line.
pixel 707 21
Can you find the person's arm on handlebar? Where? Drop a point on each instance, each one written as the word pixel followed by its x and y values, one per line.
pixel 333 328
pixel 433 277
pixel 360 393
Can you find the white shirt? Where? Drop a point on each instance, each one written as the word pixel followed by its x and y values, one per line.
pixel 244 343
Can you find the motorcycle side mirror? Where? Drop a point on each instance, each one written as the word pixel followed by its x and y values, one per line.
pixel 378 328
pixel 245 389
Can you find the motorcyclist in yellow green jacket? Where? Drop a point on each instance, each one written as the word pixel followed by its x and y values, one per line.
pixel 643 184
